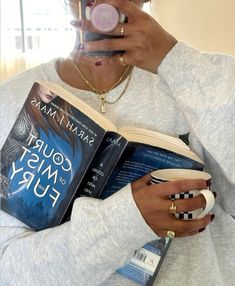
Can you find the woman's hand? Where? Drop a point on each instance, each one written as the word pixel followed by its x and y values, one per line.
pixel 153 202
pixel 145 42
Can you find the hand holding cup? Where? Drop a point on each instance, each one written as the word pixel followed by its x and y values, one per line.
pixel 155 202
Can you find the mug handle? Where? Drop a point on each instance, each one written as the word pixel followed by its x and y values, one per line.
pixel 210 201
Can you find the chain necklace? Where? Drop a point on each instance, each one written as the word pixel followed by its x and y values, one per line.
pixel 102 95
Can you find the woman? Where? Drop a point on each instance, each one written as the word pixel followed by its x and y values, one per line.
pixel 173 89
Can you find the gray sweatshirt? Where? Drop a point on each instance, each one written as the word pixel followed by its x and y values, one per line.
pixel 193 92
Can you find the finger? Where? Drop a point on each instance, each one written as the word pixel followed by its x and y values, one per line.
pixel 183 205
pixel 188 226
pixel 84 25
pixel 140 183
pixel 180 186
pixel 180 225
pixel 122 30
pixel 186 205
pixel 115 44
pixel 115 60
pixel 163 233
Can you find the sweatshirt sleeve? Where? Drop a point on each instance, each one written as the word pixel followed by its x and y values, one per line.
pixel 100 237
pixel 203 86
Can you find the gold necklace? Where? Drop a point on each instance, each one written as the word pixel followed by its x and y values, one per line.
pixel 102 95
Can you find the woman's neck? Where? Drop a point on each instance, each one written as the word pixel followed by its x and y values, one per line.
pixel 102 77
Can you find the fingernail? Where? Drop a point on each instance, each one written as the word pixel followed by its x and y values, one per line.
pixel 215 194
pixel 201 229
pixel 99 63
pixel 212 217
pixel 208 183
pixel 90 3
pixel 80 46
pixel 76 23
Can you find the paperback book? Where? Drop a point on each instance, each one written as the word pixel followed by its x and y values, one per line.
pixel 60 149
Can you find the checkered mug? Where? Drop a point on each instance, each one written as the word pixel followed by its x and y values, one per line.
pixel 166 175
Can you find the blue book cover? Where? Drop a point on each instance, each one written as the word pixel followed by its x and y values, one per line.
pixel 45 158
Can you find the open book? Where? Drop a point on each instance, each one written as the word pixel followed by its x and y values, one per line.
pixel 60 148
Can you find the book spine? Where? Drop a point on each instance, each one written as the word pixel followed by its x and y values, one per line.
pixel 102 165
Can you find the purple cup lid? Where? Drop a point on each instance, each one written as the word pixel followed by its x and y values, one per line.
pixel 104 17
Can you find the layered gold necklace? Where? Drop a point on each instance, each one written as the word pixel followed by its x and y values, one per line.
pixel 102 95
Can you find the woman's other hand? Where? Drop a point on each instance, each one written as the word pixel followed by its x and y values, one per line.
pixel 153 202
pixel 145 42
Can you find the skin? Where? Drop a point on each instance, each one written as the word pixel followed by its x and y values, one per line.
pixel 146 44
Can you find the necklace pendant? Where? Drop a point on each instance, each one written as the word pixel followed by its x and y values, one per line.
pixel 103 108
pixel 103 105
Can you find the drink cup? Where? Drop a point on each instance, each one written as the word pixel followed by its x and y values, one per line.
pixel 168 175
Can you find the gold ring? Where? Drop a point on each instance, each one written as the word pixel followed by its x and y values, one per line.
pixel 122 31
pixel 170 234
pixel 172 209
pixel 121 60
